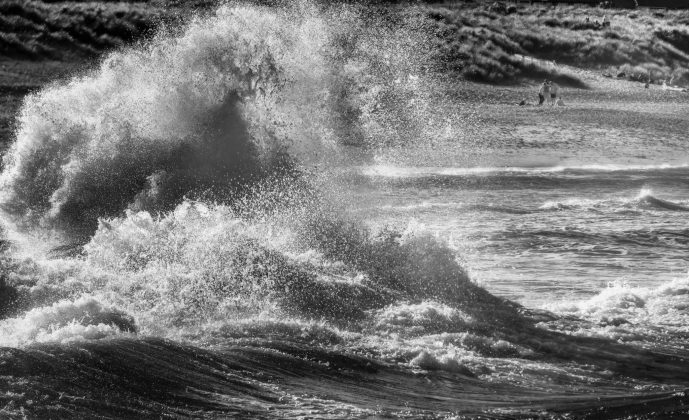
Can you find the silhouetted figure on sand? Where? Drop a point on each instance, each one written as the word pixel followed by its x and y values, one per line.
pixel 555 97
pixel 543 92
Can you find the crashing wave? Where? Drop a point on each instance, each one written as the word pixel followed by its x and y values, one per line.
pixel 64 321
pixel 247 93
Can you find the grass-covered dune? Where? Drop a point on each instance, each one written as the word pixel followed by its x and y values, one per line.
pixel 492 42
pixel 68 31
pixel 480 41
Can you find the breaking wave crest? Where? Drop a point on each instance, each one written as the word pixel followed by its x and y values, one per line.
pixel 238 96
pixel 201 264
pixel 634 314
pixel 645 200
pixel 390 171
pixel 177 179
pixel 175 189
pixel 66 321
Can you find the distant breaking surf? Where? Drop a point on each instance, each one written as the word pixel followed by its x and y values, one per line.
pixel 415 171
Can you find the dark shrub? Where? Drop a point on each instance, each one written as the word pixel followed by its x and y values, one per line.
pixel 582 26
pixel 552 23
pixel 498 7
pixel 676 38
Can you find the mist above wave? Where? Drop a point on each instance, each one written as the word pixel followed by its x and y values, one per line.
pixel 243 94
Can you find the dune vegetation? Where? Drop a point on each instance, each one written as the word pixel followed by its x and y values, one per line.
pixel 480 41
pixel 71 31
pixel 494 42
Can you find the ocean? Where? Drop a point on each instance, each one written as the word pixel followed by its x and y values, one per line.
pixel 291 213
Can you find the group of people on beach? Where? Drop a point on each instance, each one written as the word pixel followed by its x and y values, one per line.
pixel 605 24
pixel 549 91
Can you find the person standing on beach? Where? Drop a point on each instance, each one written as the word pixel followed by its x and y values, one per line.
pixel 543 92
pixel 606 21
pixel 554 89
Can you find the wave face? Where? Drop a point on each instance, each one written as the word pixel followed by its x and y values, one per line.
pixel 173 246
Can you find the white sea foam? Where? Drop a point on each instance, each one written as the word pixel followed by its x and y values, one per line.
pixel 391 171
pixel 645 197
pixel 574 202
pixel 634 313
pixel 64 321
pixel 421 318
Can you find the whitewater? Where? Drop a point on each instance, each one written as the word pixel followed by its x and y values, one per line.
pixel 262 215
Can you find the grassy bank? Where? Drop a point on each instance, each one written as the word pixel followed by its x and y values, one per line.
pixel 486 42
pixel 492 43
pixel 71 31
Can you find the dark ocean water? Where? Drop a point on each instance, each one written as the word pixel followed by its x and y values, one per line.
pixel 174 248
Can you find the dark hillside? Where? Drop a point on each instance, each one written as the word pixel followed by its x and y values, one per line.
pixel 483 41
pixel 71 31
pixel 491 42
